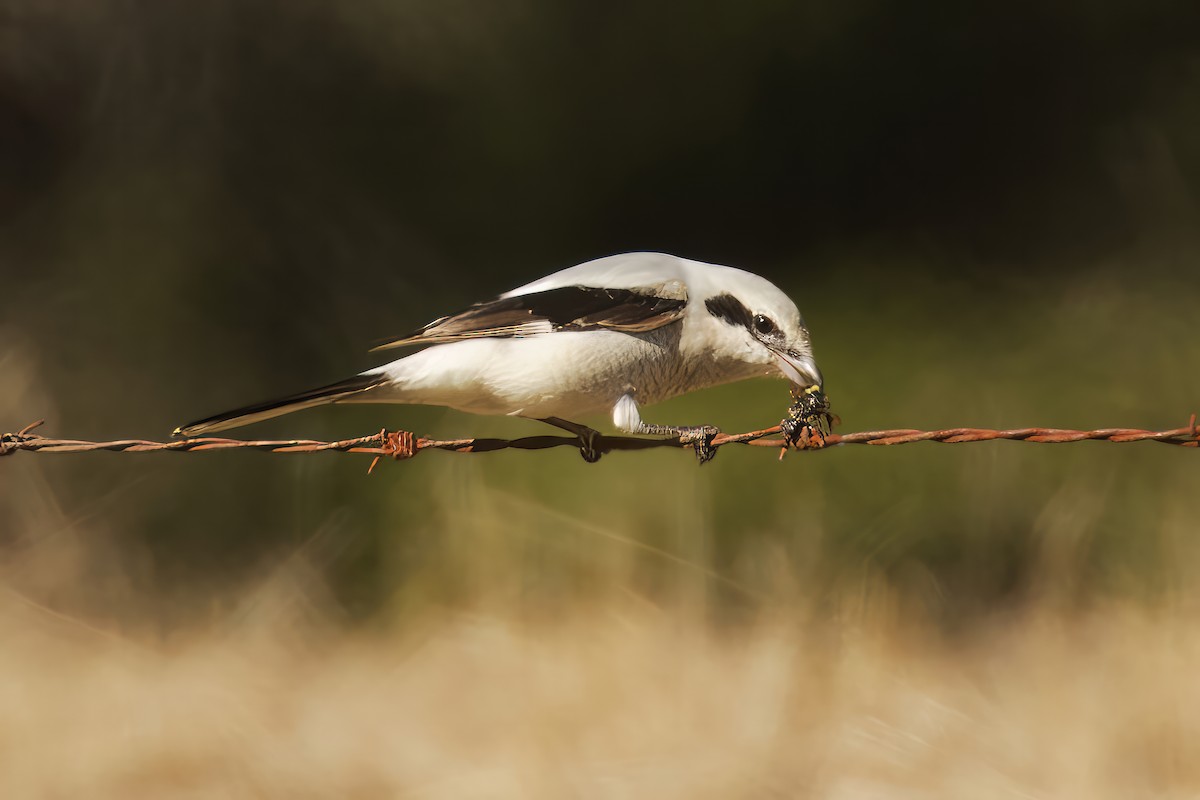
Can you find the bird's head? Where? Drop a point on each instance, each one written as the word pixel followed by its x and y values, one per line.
pixel 758 324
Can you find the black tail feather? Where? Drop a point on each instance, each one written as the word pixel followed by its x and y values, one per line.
pixel 273 408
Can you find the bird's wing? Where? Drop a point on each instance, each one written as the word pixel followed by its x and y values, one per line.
pixel 562 308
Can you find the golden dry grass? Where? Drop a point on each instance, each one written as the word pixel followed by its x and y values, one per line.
pixel 618 700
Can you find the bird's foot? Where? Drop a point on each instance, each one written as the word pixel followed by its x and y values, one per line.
pixel 591 441
pixel 701 440
pixel 589 445
pixel 700 437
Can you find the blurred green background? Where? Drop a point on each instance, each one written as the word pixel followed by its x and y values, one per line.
pixel 987 213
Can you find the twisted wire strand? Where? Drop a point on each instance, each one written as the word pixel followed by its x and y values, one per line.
pixel 403 444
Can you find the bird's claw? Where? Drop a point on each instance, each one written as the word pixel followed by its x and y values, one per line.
pixel 701 440
pixel 589 445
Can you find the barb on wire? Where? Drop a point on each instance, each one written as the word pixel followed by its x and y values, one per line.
pixel 402 444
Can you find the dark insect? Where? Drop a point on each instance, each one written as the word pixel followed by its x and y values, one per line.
pixel 808 420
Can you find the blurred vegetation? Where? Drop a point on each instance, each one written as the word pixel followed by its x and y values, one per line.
pixel 987 213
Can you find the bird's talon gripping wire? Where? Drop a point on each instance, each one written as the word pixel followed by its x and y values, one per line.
pixel 589 445
pixel 701 440
pixel 591 441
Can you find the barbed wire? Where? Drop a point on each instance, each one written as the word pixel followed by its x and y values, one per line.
pixel 403 444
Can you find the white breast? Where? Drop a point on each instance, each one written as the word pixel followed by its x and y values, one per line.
pixel 561 374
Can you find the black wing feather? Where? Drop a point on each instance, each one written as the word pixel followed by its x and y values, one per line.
pixel 568 308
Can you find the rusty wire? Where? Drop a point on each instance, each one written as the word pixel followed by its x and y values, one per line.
pixel 402 444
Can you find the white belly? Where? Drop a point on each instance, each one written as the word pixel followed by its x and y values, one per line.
pixel 561 375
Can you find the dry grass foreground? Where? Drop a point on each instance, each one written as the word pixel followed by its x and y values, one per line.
pixel 620 700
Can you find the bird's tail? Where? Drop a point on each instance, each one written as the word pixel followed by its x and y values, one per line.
pixel 340 392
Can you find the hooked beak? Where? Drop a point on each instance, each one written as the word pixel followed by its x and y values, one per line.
pixel 799 369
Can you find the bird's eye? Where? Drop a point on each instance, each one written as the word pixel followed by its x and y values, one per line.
pixel 763 325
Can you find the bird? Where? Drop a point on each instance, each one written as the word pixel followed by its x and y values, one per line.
pixel 609 335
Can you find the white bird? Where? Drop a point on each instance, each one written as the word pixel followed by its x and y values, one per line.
pixel 609 335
